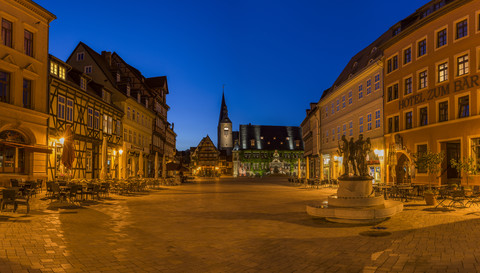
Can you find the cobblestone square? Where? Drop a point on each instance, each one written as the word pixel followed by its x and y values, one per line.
pixel 230 225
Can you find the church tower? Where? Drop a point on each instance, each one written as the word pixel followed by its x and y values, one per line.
pixel 225 135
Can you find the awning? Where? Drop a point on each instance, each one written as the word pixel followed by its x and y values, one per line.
pixel 31 148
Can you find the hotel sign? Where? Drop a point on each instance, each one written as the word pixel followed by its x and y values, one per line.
pixel 440 91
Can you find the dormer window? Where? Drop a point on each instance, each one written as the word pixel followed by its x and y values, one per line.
pixel 61 72
pixel 83 83
pixel 106 96
pixel 80 56
pixel 57 70
pixel 87 69
pixel 396 31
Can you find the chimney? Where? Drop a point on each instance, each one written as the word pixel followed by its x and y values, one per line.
pixel 107 55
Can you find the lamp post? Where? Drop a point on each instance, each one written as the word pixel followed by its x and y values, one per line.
pixel 120 161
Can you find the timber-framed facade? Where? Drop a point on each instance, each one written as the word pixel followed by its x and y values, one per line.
pixel 76 100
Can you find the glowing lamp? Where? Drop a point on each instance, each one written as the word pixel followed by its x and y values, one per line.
pixel 114 152
pixel 120 151
pixel 62 140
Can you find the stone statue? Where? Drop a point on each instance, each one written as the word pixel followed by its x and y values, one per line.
pixel 351 156
pixel 344 150
pixel 362 147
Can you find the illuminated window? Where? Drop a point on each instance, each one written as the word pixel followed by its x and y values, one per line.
pixel 61 72
pixel 441 38
pixel 462 65
pixel 7 27
pixel 422 79
pixel 54 68
pixel 462 29
pixel 252 142
pixel 442 72
pixel 28 43
pixel 110 125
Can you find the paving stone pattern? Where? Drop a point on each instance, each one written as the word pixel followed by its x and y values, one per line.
pixel 230 225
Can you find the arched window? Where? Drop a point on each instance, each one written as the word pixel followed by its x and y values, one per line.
pixel 12 157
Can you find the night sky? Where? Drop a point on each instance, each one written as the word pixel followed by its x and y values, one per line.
pixel 274 57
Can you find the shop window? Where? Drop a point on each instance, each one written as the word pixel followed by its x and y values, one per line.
pixel 12 159
pixel 476 152
pixel 421 150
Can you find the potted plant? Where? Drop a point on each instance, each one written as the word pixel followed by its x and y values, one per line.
pixel 430 162
pixel 466 166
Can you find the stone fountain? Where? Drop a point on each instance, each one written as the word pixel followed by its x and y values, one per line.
pixel 355 201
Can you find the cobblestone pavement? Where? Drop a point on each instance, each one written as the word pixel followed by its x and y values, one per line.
pixel 228 225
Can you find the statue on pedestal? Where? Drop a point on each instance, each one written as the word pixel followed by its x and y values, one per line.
pixel 355 153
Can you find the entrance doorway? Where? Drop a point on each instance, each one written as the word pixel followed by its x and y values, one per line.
pixel 400 169
pixel 449 175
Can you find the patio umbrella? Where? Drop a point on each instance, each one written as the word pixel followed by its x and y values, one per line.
pixel 103 159
pixel 68 154
pixel 156 165
pixel 164 167
pixel 140 165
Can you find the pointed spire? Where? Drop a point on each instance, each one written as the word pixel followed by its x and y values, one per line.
pixel 223 109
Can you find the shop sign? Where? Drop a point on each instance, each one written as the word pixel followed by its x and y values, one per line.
pixel 440 91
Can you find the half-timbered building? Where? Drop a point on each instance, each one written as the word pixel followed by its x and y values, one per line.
pixel 76 100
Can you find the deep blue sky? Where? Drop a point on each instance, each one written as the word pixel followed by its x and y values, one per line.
pixel 274 57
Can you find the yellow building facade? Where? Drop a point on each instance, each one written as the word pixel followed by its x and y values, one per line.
pixel 432 91
pixel 23 90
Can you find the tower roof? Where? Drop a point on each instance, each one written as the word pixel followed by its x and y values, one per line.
pixel 224 112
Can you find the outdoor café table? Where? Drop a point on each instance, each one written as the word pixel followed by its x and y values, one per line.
pixel 404 192
pixel 383 189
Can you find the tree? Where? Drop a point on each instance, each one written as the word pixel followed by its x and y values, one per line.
pixel 466 166
pixel 429 161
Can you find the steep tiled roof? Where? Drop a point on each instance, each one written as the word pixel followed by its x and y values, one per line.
pixel 155 82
